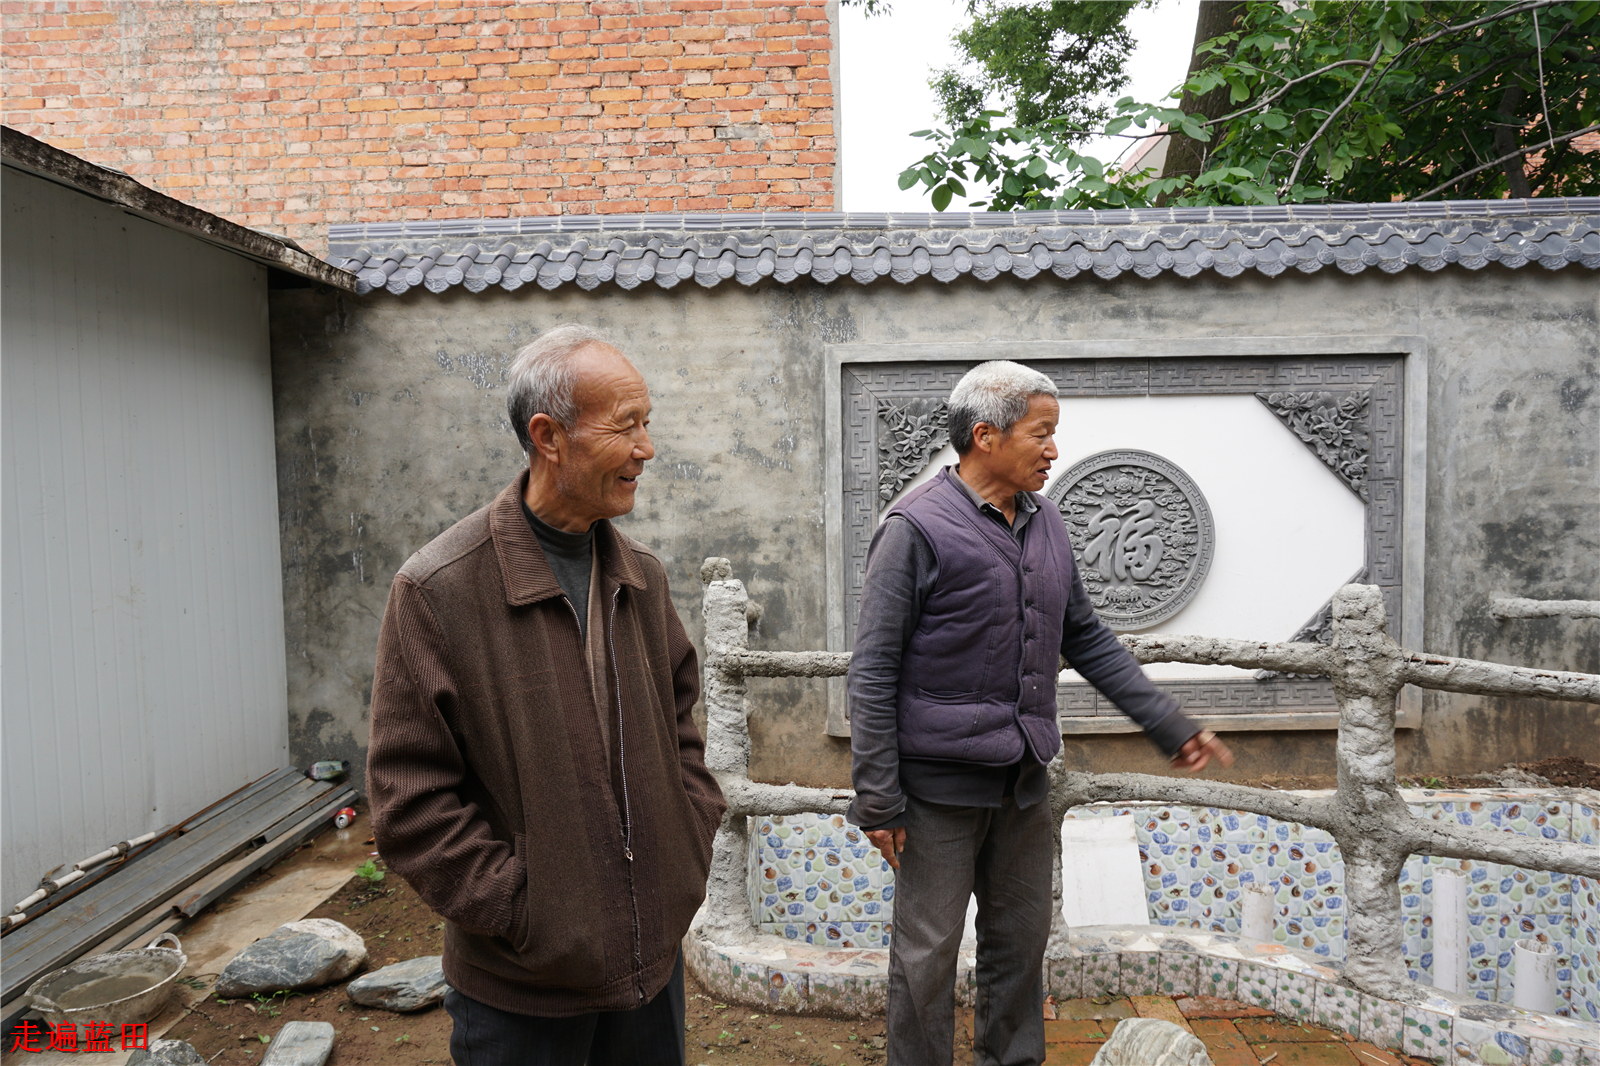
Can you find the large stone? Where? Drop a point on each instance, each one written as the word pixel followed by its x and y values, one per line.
pixel 300 1044
pixel 405 986
pixel 1149 1042
pixel 303 954
pixel 166 1053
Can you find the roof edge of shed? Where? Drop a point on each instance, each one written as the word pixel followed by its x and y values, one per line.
pixel 33 156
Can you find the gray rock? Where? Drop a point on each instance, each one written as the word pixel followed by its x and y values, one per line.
pixel 166 1053
pixel 303 954
pixel 405 986
pixel 300 1044
pixel 1149 1042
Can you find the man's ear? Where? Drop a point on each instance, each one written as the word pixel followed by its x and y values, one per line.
pixel 549 439
pixel 983 435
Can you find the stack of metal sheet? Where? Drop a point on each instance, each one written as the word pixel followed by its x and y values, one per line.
pixel 171 880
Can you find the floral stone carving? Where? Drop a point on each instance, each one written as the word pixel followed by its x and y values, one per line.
pixel 913 432
pixel 1334 425
pixel 1142 534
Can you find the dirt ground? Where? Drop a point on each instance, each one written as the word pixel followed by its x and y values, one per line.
pixel 397 926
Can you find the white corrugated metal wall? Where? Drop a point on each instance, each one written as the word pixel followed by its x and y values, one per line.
pixel 142 627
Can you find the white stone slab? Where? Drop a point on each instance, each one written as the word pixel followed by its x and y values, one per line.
pixel 1102 876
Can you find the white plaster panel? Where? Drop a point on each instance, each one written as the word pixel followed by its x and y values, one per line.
pixel 1289 532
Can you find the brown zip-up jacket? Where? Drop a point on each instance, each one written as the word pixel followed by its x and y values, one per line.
pixel 568 859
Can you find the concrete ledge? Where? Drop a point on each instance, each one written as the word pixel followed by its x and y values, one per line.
pixel 781 975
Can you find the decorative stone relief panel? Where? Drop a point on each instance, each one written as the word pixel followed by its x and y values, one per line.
pixel 1352 404
pixel 912 433
pixel 1333 425
pixel 1141 532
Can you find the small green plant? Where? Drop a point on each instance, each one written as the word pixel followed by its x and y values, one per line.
pixel 1433 782
pixel 264 1038
pixel 403 1038
pixel 193 982
pixel 369 872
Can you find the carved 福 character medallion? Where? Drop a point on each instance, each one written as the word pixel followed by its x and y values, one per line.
pixel 1141 532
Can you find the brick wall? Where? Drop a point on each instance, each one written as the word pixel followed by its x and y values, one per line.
pixel 293 116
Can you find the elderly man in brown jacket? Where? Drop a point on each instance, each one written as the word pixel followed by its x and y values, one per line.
pixel 534 770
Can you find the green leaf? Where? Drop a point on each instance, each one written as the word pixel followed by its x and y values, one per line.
pixel 941 197
pixel 922 133
pixel 1273 120
pixel 1036 167
pixel 908 178
pixel 1011 185
pixel 1117 125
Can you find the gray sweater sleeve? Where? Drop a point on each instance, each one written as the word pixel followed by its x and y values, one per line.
pixel 901 568
pixel 1094 651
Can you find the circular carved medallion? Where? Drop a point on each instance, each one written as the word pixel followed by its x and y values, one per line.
pixel 1141 532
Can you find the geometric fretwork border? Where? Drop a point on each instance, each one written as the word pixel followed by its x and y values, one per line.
pixel 867 389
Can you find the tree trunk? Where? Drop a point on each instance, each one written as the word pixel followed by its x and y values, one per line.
pixel 1184 154
pixel 1505 142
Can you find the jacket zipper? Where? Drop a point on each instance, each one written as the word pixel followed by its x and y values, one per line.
pixel 627 810
pixel 622 769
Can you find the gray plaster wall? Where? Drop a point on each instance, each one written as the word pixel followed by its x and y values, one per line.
pixel 391 425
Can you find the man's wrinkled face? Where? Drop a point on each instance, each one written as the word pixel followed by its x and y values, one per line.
pixel 608 447
pixel 1022 457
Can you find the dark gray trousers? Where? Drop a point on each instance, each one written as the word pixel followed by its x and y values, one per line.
pixel 1004 856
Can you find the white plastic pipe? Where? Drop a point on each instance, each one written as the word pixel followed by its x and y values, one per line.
pixel 1451 940
pixel 1535 986
pixel 1256 911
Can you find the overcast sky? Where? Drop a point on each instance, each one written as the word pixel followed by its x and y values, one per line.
pixel 887 61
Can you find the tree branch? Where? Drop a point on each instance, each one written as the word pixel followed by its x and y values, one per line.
pixel 1496 162
pixel 1300 156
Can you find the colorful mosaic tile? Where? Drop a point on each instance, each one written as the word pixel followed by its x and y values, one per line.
pixel 1338 1007
pixel 1427 1033
pixel 815 879
pixel 1296 996
pixel 1102 974
pixel 1140 974
pixel 1382 1021
pixel 1217 977
pixel 1064 978
pixel 1258 985
pixel 1176 973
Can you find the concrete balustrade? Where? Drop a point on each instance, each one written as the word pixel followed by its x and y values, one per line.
pixel 1366 815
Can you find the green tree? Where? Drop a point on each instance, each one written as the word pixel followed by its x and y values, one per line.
pixel 1340 99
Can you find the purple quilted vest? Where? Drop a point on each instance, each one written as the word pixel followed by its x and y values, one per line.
pixel 978 679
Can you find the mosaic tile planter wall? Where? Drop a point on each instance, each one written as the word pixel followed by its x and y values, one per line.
pixel 814 879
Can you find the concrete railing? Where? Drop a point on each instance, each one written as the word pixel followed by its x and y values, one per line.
pixel 1374 828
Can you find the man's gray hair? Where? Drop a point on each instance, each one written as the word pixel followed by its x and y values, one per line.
pixel 996 392
pixel 543 380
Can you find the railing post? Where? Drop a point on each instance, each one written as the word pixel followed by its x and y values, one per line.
pixel 725 916
pixel 1371 812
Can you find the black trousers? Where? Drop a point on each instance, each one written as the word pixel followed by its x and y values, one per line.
pixel 650 1035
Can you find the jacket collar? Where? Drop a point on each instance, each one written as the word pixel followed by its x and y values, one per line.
pixel 523 567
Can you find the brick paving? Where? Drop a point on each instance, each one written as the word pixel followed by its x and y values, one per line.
pixel 1235 1034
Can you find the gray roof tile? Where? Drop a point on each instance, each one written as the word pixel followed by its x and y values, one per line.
pixel 746 247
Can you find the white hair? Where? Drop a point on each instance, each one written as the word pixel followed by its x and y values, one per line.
pixel 543 380
pixel 996 392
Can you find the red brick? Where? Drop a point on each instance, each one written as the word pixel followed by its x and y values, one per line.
pixel 1213 1007
pixel 1307 1053
pixel 1276 1030
pixel 473 109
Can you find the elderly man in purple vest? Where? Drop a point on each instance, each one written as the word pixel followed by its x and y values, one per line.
pixel 971 593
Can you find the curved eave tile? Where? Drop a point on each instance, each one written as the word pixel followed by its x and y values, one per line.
pixel 1185 242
